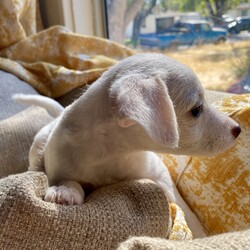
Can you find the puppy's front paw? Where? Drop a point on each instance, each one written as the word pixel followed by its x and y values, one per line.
pixel 64 195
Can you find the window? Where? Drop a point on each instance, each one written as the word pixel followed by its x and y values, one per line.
pixel 163 24
pixel 201 36
pixel 205 27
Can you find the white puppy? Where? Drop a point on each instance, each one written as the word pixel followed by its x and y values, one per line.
pixel 147 103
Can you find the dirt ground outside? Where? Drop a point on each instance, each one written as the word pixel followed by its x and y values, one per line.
pixel 217 66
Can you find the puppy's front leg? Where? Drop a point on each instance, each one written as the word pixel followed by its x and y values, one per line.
pixel 162 177
pixel 66 193
pixel 36 154
pixel 174 196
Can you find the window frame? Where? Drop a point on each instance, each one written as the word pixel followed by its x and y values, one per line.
pixel 86 17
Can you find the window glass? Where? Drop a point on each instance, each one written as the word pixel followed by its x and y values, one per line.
pixel 205 27
pixel 205 35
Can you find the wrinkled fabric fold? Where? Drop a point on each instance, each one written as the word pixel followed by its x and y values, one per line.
pixel 54 61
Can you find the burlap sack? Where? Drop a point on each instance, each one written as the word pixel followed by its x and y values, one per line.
pixel 229 241
pixel 16 137
pixel 109 215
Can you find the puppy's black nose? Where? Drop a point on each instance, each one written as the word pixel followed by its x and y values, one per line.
pixel 236 131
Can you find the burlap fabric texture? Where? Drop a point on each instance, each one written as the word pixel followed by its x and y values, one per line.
pixel 109 216
pixel 229 241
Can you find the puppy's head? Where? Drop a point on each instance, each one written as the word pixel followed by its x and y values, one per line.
pixel 203 130
pixel 160 102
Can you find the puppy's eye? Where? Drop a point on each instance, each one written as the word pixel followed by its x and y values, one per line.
pixel 197 111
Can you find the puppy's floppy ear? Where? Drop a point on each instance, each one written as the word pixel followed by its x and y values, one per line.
pixel 144 101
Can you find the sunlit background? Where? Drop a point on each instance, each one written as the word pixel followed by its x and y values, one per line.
pixel 211 36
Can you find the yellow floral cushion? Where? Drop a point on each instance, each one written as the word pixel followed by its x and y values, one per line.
pixel 179 229
pixel 63 62
pixel 217 188
pixel 18 20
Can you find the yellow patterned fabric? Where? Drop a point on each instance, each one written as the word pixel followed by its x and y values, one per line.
pixel 180 230
pixel 218 188
pixel 54 61
pixel 18 19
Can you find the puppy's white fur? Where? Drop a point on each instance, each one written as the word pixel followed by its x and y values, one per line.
pixel 142 105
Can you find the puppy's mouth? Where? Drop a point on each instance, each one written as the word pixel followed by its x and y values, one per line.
pixel 219 146
pixel 209 149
